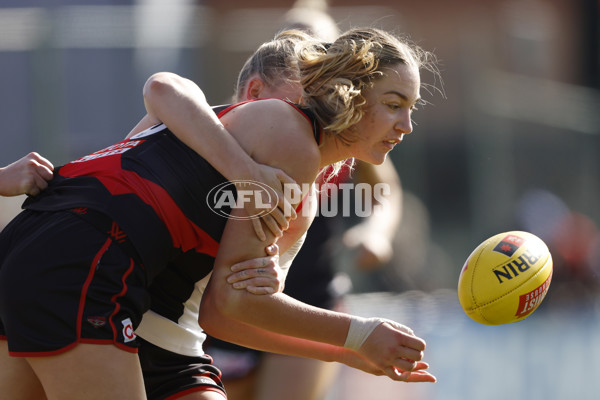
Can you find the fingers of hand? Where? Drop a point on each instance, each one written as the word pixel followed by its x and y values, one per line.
pixel 407 355
pixel 274 220
pixel 284 205
pixel 272 225
pixel 264 267
pixel 39 184
pixel 391 348
pixel 258 276
pixel 404 364
pixel 38 158
pixel 420 366
pixel 33 191
pixel 403 338
pixel 280 218
pixel 260 285
pixel 258 229
pixel 405 376
pixel 396 374
pixel 284 188
pixel 288 209
pixel 410 341
pixel 261 290
pixel 292 194
pixel 44 171
pixel 257 266
pixel 290 185
pixel 409 364
pixel 421 376
pixel 417 375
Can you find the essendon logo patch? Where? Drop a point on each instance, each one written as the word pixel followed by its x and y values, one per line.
pixel 116 233
pixel 97 322
pixel 509 245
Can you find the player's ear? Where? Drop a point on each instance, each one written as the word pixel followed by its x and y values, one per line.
pixel 254 88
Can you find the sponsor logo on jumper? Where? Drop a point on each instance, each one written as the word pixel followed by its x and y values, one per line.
pixel 128 333
pixel 516 267
pixel 509 245
pixel 97 322
pixel 529 301
pixel 116 233
pixel 205 380
pixel 118 148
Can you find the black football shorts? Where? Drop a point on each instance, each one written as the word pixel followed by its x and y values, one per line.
pixel 64 282
pixel 169 375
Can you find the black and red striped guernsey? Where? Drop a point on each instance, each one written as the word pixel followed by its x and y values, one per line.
pixel 154 187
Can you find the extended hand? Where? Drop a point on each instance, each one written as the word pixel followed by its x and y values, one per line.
pixel 29 175
pixel 418 374
pixel 396 352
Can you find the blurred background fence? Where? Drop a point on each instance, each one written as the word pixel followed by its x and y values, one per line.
pixel 514 145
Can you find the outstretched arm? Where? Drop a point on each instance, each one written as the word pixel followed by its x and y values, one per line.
pixel 268 341
pixel 278 323
pixel 385 347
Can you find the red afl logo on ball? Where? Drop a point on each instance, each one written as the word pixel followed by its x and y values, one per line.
pixel 509 245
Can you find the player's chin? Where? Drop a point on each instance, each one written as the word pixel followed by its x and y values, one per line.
pixel 376 158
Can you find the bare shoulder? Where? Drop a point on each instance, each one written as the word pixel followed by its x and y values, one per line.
pixel 275 133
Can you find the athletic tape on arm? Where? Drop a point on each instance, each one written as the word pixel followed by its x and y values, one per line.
pixel 361 328
pixel 359 331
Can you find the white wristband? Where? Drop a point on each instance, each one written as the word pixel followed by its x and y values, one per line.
pixel 359 331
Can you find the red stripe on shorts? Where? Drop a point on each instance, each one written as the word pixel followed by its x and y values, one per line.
pixel 88 282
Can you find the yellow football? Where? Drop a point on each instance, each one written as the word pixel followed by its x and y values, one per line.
pixel 505 278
